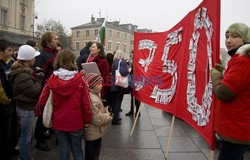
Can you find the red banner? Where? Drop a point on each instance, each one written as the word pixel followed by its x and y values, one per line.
pixel 172 68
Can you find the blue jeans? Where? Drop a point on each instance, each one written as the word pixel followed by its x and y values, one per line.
pixel 27 121
pixel 70 141
pixel 231 151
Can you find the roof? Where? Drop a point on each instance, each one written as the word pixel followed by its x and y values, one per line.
pixel 98 23
pixel 13 38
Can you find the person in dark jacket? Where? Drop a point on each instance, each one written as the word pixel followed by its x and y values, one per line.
pixel 7 108
pixel 84 53
pixel 26 91
pixel 116 91
pixel 137 102
pixel 71 105
pixel 44 62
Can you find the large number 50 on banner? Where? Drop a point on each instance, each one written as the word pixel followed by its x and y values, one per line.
pixel 172 68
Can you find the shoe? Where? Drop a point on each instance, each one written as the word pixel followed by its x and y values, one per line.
pixel 139 114
pixel 130 113
pixel 43 146
pixel 116 122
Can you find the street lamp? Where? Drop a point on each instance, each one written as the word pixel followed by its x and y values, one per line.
pixel 34 17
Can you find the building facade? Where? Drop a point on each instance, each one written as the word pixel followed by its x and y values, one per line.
pixel 16 21
pixel 117 36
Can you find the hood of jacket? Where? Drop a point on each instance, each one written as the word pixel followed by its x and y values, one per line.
pixel 17 71
pixel 64 82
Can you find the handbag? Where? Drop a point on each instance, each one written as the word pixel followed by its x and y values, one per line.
pixel 119 79
pixel 48 110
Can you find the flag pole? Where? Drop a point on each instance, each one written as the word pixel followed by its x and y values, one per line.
pixel 169 137
pixel 137 115
pixel 211 154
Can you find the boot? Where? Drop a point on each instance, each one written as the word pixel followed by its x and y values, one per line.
pixel 129 113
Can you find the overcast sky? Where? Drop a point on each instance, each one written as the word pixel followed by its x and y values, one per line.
pixel 158 15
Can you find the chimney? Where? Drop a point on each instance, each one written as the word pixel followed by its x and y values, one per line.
pixel 92 19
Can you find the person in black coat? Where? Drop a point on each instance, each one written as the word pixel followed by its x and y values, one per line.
pixel 84 53
pixel 137 102
pixel 8 123
pixel 45 62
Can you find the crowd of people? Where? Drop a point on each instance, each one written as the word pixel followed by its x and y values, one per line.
pixel 84 104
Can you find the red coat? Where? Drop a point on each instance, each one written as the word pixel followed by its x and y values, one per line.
pixel 232 119
pixel 71 102
pixel 104 68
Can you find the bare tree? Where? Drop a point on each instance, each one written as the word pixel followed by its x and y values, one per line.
pixel 56 27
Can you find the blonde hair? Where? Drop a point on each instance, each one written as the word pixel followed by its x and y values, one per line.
pixel 119 55
pixel 65 59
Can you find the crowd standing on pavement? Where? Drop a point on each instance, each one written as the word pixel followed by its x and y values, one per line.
pixel 84 104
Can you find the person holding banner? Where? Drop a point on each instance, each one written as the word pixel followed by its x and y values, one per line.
pixel 232 120
pixel 97 55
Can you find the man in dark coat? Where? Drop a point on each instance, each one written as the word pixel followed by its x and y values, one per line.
pixel 8 123
pixel 84 53
pixel 45 62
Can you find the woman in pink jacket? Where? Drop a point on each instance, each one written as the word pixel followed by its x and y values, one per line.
pixel 71 104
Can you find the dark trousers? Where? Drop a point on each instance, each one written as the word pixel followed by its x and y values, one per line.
pixel 8 130
pixel 137 104
pixel 40 130
pixel 93 149
pixel 117 97
pixel 231 151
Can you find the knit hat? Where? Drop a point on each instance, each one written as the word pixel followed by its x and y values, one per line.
pixel 93 79
pixel 241 29
pixel 26 52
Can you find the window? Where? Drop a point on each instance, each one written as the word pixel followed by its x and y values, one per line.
pixel 109 45
pixel 87 32
pixel 117 46
pixel 22 22
pixel 3 17
pixel 77 46
pixel 23 1
pixel 125 36
pixel 118 35
pixel 96 32
pixel 77 33
pixel 125 48
pixel 110 33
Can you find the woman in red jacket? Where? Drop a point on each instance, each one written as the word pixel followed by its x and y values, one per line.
pixel 97 55
pixel 232 111
pixel 71 104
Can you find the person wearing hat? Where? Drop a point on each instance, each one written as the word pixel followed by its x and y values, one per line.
pixel 232 90
pixel 100 118
pixel 26 91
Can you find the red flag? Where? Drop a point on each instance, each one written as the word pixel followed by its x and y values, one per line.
pixel 172 68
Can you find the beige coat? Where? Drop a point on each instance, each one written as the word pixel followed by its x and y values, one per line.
pixel 100 119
